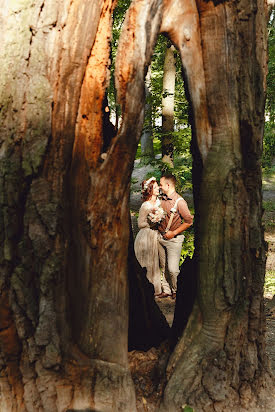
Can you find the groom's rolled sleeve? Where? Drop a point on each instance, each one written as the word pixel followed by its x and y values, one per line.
pixel 185 212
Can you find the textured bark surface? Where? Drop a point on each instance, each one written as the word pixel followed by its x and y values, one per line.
pixel 220 362
pixel 64 212
pixel 44 91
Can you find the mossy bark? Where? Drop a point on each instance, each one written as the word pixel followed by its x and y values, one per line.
pixel 46 361
pixel 219 363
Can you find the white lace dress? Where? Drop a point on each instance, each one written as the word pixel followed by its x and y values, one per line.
pixel 146 246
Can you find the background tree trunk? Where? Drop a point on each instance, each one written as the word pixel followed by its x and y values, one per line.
pixel 168 104
pixel 146 140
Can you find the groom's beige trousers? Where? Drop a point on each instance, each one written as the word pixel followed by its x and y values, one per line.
pixel 169 257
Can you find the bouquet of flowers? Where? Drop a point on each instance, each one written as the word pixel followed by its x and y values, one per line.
pixel 156 216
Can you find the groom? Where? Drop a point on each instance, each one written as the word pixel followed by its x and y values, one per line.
pixel 170 243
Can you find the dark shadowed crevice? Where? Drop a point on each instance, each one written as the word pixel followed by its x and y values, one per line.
pixel 147 324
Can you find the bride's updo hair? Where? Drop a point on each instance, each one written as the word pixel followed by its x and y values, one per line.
pixel 147 188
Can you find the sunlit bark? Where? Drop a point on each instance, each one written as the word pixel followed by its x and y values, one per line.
pixel 55 354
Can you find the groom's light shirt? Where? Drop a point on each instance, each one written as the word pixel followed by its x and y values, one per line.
pixel 183 213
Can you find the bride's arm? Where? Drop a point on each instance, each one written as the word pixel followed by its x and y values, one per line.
pixel 142 217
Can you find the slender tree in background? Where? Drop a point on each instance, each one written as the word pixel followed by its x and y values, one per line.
pixel 64 216
pixel 118 18
pixel 168 104
pixel 146 140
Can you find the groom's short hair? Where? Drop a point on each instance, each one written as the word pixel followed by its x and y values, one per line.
pixel 171 178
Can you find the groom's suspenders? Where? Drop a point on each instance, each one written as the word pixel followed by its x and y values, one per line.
pixel 173 211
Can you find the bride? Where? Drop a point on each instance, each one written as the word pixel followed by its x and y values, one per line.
pixel 146 243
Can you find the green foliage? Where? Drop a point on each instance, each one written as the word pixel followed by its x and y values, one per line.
pixel 157 149
pixel 269 178
pixel 156 173
pixel 187 408
pixel 269 286
pixel 188 245
pixel 181 136
pixel 156 90
pixel 269 205
pixel 182 170
pixel 269 143
pixel 269 214
pixel 138 154
pixel 118 19
pixel 155 97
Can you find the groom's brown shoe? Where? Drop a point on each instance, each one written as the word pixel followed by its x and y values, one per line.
pixel 163 295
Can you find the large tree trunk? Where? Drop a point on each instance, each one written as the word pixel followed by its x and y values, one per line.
pixel 64 213
pixel 220 364
pixel 54 355
pixel 64 225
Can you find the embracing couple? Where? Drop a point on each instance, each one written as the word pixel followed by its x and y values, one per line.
pixel 162 221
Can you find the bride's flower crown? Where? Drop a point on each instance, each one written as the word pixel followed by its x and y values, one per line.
pixel 146 184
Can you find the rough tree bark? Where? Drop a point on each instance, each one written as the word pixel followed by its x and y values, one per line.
pixel 220 364
pixel 64 213
pixel 168 104
pixel 64 313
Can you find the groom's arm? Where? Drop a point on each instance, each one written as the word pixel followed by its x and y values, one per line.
pixel 172 233
pixel 187 217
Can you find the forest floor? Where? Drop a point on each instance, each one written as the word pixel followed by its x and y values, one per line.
pixel 167 305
